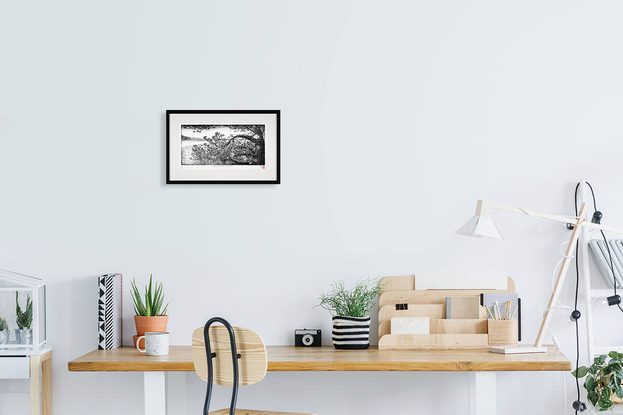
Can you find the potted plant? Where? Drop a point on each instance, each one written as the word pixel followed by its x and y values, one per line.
pixel 149 310
pixel 351 324
pixel 604 379
pixel 4 331
pixel 23 332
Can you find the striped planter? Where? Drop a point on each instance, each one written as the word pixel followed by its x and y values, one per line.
pixel 351 332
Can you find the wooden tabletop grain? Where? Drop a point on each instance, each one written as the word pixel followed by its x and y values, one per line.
pixel 290 358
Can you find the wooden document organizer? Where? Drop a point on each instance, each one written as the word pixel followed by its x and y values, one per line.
pixel 444 333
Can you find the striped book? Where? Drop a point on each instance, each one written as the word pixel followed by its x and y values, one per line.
pixel 109 311
pixel 351 332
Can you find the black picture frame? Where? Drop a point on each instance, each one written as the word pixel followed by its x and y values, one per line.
pixel 277 179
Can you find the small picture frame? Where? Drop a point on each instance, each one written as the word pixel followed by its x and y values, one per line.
pixel 223 147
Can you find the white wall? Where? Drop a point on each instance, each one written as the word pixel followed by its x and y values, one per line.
pixel 396 117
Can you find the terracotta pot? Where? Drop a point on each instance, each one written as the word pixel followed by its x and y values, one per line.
pixel 144 324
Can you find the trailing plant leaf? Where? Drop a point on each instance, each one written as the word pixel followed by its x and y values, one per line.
pixel 593 397
pixel 604 399
pixel 23 319
pixel 618 390
pixel 580 372
pixel 607 370
pixel 151 303
pixel 354 303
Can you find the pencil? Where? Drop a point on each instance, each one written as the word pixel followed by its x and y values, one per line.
pixel 514 312
pixel 496 308
pixel 489 312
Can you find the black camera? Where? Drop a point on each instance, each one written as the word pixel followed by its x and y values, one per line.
pixel 307 338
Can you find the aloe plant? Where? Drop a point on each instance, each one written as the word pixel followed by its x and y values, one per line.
pixel 24 318
pixel 3 324
pixel 151 304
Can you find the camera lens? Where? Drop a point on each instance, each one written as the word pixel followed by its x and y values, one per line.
pixel 307 340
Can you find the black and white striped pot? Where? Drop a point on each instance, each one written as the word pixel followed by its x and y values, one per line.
pixel 351 332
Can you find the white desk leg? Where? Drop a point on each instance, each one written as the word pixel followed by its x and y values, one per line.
pixel 155 393
pixel 482 394
pixel 176 393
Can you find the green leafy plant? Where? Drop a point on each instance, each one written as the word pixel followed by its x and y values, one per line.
pixel 151 304
pixel 603 380
pixel 350 303
pixel 24 318
pixel 3 324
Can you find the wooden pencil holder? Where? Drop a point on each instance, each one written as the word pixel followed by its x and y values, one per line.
pixel 502 332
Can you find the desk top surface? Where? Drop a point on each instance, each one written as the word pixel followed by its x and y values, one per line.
pixel 290 358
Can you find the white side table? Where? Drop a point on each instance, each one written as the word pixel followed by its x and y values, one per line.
pixel 36 367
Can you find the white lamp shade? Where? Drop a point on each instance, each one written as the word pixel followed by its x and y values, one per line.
pixel 480 227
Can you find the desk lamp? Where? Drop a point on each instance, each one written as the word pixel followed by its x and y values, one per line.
pixel 482 226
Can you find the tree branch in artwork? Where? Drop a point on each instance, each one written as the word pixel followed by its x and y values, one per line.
pixel 223 145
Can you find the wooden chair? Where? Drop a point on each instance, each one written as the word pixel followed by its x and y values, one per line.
pixel 230 356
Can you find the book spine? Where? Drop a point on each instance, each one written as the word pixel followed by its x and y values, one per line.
pixel 101 303
pixel 110 317
pixel 109 314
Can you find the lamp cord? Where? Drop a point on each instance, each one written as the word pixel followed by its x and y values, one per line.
pixel 577 284
pixel 575 299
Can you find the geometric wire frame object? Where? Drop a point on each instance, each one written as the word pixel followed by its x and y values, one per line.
pixel 482 226
pixel 10 284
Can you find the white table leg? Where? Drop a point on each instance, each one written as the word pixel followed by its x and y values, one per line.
pixel 155 393
pixel 176 393
pixel 482 394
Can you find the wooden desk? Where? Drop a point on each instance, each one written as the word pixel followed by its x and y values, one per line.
pixel 481 364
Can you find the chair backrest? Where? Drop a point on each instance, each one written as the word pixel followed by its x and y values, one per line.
pixel 252 364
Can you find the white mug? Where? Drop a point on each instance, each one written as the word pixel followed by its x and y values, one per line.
pixel 156 343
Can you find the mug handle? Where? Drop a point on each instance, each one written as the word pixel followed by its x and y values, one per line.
pixel 138 342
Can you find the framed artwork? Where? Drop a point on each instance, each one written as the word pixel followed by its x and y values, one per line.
pixel 223 147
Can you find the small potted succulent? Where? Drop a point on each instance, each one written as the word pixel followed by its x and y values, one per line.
pixel 23 332
pixel 4 331
pixel 149 310
pixel 351 324
pixel 603 380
